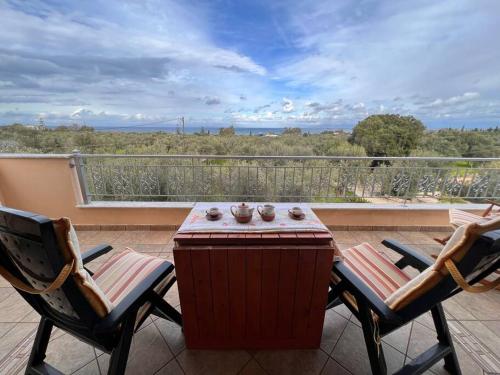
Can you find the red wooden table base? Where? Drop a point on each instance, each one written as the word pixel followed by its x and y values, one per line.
pixel 245 291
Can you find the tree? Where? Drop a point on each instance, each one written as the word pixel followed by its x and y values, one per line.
pixel 227 131
pixel 388 135
pixel 292 131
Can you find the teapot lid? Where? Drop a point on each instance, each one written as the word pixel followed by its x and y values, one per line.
pixel 243 204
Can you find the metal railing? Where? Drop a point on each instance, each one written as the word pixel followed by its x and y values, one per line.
pixel 189 178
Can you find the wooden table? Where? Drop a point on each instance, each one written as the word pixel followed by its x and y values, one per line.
pixel 253 290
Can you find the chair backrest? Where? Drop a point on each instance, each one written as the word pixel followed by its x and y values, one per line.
pixel 475 251
pixel 31 252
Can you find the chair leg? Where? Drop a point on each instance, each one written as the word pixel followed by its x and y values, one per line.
pixel 333 296
pixel 443 335
pixel 40 345
pixel 375 352
pixel 165 310
pixel 119 356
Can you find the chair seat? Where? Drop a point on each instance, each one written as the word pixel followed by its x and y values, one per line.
pixel 374 269
pixel 124 271
pixel 459 217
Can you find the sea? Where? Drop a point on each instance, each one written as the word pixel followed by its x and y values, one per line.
pixel 212 129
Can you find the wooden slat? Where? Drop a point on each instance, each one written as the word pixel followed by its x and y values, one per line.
pixel 270 281
pixel 323 235
pixel 253 290
pixel 304 291
pixel 237 305
pixel 324 261
pixel 187 293
pixel 286 290
pixel 220 291
pixel 200 260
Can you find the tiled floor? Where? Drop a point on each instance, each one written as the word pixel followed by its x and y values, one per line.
pixel 158 348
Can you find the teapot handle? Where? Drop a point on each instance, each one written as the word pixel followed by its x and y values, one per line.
pixel 259 211
pixel 231 209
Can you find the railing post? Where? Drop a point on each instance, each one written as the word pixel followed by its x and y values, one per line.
pixel 80 172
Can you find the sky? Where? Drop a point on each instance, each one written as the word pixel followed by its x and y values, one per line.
pixel 256 63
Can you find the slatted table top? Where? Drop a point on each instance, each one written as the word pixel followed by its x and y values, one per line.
pixel 245 238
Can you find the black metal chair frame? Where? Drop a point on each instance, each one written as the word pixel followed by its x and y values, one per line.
pixel 111 334
pixel 367 301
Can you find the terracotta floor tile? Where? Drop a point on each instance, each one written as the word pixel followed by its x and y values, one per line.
pixel 253 368
pixel 351 353
pixel 14 308
pixel 91 368
pixel 19 332
pixel 214 362
pixel 68 354
pixel 6 327
pixel 343 237
pixel 418 238
pixel 292 361
pixel 332 330
pixel 171 368
pixel 172 334
pixel 399 338
pixel 149 353
pixel 334 368
pixel 158 237
pixel 484 334
pixel 493 325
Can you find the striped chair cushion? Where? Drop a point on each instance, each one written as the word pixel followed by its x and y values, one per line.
pixel 124 271
pixel 459 217
pixel 375 269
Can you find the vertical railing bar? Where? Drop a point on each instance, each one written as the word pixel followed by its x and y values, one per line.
pixel 302 181
pixel 267 196
pixel 329 181
pixel 311 181
pixel 471 182
pixel 436 182
pixel 320 180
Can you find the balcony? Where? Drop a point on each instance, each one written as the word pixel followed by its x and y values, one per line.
pixel 357 200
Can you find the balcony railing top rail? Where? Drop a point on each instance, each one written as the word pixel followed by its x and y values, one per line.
pixel 290 157
pixel 319 179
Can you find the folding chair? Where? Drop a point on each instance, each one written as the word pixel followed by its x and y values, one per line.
pixel 460 217
pixel 384 297
pixel 41 259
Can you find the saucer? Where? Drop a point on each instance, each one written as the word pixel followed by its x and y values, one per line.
pixel 297 217
pixel 213 218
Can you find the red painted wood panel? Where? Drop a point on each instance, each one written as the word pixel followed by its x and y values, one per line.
pixel 237 299
pixel 253 290
pixel 286 290
pixel 200 261
pixel 253 296
pixel 187 294
pixel 324 261
pixel 304 291
pixel 220 291
pixel 270 282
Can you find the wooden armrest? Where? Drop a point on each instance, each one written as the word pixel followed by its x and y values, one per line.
pixel 410 256
pixel 490 208
pixel 95 252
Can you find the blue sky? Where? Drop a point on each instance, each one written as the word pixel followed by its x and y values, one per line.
pixel 249 63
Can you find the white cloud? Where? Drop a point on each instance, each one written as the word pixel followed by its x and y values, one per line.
pixel 287 105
